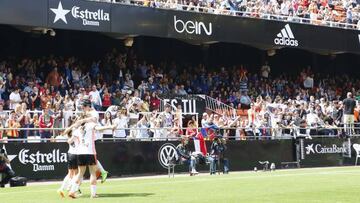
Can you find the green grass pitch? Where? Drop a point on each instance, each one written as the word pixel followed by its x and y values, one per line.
pixel 297 185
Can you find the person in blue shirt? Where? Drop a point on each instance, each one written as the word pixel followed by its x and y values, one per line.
pixel 68 73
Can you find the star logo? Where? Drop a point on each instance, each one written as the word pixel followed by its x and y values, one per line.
pixel 310 148
pixel 60 13
pixel 10 157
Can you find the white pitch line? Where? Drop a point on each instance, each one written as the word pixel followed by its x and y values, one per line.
pixel 125 178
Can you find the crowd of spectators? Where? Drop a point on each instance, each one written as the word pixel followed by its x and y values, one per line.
pixel 44 93
pixel 318 12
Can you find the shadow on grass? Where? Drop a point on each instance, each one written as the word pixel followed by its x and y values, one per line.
pixel 125 194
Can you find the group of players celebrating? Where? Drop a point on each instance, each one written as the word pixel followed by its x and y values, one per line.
pixel 82 135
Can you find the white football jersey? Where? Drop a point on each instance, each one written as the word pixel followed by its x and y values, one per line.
pixel 73 147
pixel 95 114
pixel 87 139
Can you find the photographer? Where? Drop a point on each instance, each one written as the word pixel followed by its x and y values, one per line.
pixel 218 148
pixel 6 172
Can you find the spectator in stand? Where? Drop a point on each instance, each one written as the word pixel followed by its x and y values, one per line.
pixel 176 131
pixel 45 99
pixel 28 123
pixel 144 69
pixel 107 121
pixel 57 116
pixel 158 132
pixel 191 130
pixel 3 116
pixel 68 73
pixel 349 106
pixel 265 70
pixel 35 100
pixel 12 123
pixel 36 123
pixel 54 78
pixel 167 120
pixel 27 100
pixel 204 120
pixel 14 98
pixel 95 98
pixel 182 90
pixel 106 99
pixel 151 85
pixel 128 84
pixel 2 89
pixel 143 126
pixel 154 102
pixel 95 70
pixel 116 86
pixel 121 122
pixel 69 108
pixel 46 122
pixel 29 88
pixel 20 117
pixel 309 82
pixel 142 87
pixel 116 98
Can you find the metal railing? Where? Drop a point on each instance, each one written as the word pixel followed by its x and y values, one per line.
pixel 259 15
pixel 101 114
pixel 218 107
pixel 242 133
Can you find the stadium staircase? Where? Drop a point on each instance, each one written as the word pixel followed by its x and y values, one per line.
pixel 218 107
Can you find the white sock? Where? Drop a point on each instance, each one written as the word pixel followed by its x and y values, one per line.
pixel 101 168
pixel 74 187
pixel 71 182
pixel 66 182
pixel 81 180
pixel 93 190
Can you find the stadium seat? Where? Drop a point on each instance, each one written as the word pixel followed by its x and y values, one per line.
pixel 357 149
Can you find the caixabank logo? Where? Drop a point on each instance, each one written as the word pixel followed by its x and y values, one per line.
pixel 286 37
pixel 79 13
pixel 323 149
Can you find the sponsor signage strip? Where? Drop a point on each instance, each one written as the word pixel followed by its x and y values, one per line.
pixel 49 160
pixel 201 27
pixel 79 15
pixel 328 152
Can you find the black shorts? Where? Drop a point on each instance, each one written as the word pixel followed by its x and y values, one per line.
pixel 86 159
pixel 72 161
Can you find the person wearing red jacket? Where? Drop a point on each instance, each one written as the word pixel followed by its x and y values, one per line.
pixel 53 78
pixel 46 121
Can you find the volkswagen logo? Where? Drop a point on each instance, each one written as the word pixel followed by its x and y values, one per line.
pixel 167 152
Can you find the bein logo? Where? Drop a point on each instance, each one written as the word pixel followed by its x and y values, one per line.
pixel 192 27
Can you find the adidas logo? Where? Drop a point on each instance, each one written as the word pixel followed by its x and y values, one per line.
pixel 286 37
